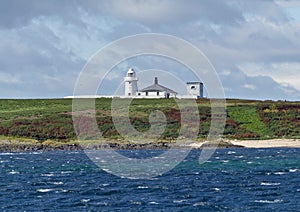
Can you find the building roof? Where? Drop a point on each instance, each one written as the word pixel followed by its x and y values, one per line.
pixel 194 83
pixel 157 87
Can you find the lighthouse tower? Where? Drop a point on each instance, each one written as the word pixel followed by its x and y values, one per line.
pixel 130 83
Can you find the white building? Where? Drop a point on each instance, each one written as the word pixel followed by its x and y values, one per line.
pixel 130 80
pixel 194 89
pixel 156 91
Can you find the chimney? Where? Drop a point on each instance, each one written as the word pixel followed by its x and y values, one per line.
pixel 155 80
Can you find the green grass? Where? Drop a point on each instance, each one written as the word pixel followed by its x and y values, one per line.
pixel 43 119
pixel 12 109
pixel 248 118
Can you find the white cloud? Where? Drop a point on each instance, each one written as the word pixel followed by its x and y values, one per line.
pixel 9 78
pixel 250 86
pixel 225 72
pixel 287 74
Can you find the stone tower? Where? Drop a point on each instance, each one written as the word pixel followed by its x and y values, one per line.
pixel 195 89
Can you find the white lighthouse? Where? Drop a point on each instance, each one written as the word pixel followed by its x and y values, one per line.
pixel 130 80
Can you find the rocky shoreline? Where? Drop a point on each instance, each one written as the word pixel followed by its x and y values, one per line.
pixel 33 146
pixel 30 145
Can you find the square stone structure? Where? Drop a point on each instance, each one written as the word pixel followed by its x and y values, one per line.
pixel 195 89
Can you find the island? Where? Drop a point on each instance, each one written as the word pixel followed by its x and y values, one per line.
pixel 47 124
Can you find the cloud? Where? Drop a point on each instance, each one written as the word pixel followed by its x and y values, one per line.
pixel 250 86
pixel 288 3
pixel 287 74
pixel 9 78
pixel 49 41
pixel 173 11
pixel 240 85
pixel 14 13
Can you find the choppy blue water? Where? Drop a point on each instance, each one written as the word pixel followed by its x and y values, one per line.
pixel 233 179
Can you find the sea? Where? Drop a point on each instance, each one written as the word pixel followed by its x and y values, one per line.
pixel 233 179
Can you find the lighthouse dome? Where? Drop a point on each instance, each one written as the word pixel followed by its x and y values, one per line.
pixel 131 72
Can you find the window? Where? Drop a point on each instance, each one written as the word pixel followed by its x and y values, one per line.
pixel 157 93
pixel 193 87
pixel 139 94
pixel 146 93
pixel 129 94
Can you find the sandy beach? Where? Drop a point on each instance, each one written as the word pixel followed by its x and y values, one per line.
pixel 272 143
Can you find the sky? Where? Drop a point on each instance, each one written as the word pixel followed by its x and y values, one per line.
pixel 254 45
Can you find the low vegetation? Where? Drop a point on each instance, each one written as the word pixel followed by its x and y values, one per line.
pixel 51 119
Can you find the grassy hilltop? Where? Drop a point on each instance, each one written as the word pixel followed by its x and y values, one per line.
pixel 51 119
